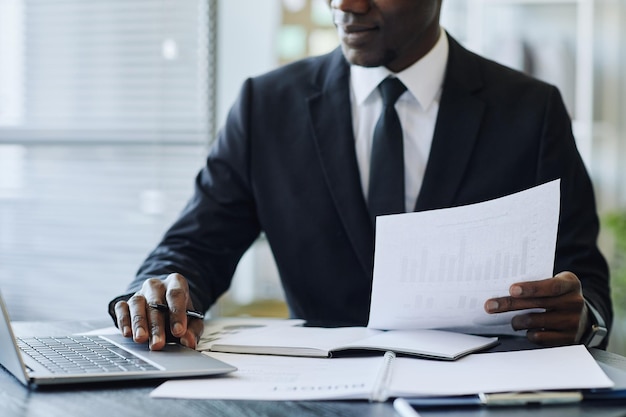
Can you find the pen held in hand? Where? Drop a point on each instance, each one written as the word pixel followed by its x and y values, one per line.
pixel 164 308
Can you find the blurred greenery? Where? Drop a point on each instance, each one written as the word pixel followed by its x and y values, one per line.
pixel 615 224
pixel 614 228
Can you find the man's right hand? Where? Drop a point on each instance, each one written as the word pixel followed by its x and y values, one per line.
pixel 146 324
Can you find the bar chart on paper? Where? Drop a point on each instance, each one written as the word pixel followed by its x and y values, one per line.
pixel 457 281
pixel 461 267
pixel 437 268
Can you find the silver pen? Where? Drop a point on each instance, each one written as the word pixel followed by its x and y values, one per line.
pixel 403 408
pixel 190 313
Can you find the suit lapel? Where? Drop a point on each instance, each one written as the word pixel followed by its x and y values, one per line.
pixel 331 120
pixel 456 130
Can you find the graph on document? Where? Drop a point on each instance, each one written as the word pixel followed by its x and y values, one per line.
pixel 438 268
pixel 462 266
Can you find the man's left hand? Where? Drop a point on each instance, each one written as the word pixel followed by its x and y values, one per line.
pixel 565 318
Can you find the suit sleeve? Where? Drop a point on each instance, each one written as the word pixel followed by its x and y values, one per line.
pixel 219 222
pixel 577 249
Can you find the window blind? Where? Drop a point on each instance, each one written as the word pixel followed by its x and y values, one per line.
pixel 106 123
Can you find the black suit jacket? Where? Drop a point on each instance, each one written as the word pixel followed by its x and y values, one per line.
pixel 284 164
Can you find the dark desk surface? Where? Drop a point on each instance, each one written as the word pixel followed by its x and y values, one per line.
pixel 132 399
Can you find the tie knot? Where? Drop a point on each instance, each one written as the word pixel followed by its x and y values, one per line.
pixel 390 89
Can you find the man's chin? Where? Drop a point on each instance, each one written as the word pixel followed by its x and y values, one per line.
pixel 365 58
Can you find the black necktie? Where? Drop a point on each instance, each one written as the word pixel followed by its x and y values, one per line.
pixel 386 182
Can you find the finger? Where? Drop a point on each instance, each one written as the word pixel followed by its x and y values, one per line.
pixel 504 304
pixel 139 322
pixel 154 292
pixel 551 337
pixel 568 302
pixel 193 333
pixel 156 321
pixel 122 315
pixel 557 321
pixel 562 283
pixel 178 301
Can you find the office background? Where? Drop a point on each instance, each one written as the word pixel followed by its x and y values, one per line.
pixel 108 108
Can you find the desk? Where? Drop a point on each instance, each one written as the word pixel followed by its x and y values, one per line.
pixel 132 399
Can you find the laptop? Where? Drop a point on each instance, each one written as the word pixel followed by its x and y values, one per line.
pixel 72 359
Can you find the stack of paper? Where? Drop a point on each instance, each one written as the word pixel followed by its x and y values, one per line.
pixel 265 377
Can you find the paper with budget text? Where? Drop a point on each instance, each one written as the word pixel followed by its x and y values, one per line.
pixel 285 378
pixel 436 269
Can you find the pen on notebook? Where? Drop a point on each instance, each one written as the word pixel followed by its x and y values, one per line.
pixel 379 393
pixel 403 408
pixel 164 308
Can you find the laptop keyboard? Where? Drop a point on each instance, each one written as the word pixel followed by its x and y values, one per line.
pixel 81 354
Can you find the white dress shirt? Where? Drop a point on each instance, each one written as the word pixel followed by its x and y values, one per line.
pixel 417 109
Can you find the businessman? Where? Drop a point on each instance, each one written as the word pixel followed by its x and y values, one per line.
pixel 309 155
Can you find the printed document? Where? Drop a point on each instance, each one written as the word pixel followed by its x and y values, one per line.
pixel 436 269
pixel 282 378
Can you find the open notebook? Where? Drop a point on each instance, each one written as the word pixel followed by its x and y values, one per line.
pixel 327 342
pixel 71 359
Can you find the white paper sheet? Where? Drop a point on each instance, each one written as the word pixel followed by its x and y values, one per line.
pixel 278 378
pixel 265 377
pixel 562 368
pixel 436 269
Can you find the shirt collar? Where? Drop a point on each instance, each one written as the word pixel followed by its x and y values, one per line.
pixel 423 79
